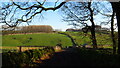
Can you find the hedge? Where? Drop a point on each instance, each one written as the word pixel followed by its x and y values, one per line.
pixel 21 59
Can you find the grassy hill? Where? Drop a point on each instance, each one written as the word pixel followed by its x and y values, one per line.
pixel 51 39
pixel 82 38
pixel 41 39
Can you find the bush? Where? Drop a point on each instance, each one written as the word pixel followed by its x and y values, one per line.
pixel 20 59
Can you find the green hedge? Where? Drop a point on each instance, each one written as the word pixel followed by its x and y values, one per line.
pixel 20 59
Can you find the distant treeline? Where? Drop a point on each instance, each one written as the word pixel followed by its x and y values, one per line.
pixel 29 29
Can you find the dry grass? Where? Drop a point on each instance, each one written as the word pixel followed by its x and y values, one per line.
pixel 8 47
pixel 22 49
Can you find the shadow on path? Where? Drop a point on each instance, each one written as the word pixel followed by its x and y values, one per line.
pixel 71 57
pixel 66 58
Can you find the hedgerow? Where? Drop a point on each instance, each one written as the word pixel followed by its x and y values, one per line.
pixel 20 59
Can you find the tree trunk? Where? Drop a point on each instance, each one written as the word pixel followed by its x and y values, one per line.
pixel 116 7
pixel 112 33
pixel 118 23
pixel 93 36
pixel 94 42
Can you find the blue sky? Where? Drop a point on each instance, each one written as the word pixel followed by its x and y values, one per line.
pixel 54 19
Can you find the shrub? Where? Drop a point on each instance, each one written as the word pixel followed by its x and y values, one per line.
pixel 19 59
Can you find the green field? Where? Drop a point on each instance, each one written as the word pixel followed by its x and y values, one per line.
pixel 81 38
pixel 42 39
pixel 51 39
pixel 101 57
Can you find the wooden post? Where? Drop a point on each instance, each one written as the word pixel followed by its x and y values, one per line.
pixel 20 48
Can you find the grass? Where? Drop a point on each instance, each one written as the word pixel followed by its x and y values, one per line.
pixel 42 39
pixel 81 38
pixel 51 39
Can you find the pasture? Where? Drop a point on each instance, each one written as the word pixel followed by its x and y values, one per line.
pixel 51 39
pixel 41 39
pixel 10 42
pixel 80 38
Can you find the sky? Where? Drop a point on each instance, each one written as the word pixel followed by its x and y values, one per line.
pixel 54 19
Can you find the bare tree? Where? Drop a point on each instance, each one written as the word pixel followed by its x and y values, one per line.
pixel 78 13
pixel 112 33
pixel 116 8
pixel 93 26
pixel 13 13
pixel 110 20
